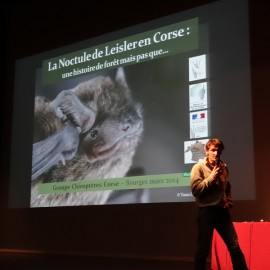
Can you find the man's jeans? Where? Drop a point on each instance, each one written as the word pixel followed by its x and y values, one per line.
pixel 210 218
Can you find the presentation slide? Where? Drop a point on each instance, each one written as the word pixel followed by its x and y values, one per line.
pixel 122 118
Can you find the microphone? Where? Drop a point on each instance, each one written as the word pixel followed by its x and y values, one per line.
pixel 220 166
pixel 217 162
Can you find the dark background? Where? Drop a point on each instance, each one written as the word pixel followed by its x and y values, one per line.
pixel 165 232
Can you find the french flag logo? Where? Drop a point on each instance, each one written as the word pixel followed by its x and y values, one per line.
pixel 198 116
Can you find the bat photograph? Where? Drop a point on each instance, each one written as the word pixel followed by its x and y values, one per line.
pixel 88 132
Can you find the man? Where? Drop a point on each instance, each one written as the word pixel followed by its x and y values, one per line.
pixel 212 190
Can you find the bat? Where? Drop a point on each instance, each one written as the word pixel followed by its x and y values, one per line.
pixel 88 132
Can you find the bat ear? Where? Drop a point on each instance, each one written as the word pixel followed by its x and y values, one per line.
pixel 120 80
pixel 68 107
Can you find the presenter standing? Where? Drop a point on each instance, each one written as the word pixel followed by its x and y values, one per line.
pixel 212 190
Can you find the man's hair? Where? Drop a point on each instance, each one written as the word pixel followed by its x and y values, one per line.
pixel 216 142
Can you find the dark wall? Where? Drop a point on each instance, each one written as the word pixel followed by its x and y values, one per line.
pixel 147 230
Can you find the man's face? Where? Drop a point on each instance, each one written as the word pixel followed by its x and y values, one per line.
pixel 213 153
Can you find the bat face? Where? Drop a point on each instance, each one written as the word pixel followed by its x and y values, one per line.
pixel 117 129
pixel 112 138
pixel 110 121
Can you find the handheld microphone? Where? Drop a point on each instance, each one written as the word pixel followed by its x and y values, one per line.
pixel 218 173
pixel 220 165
